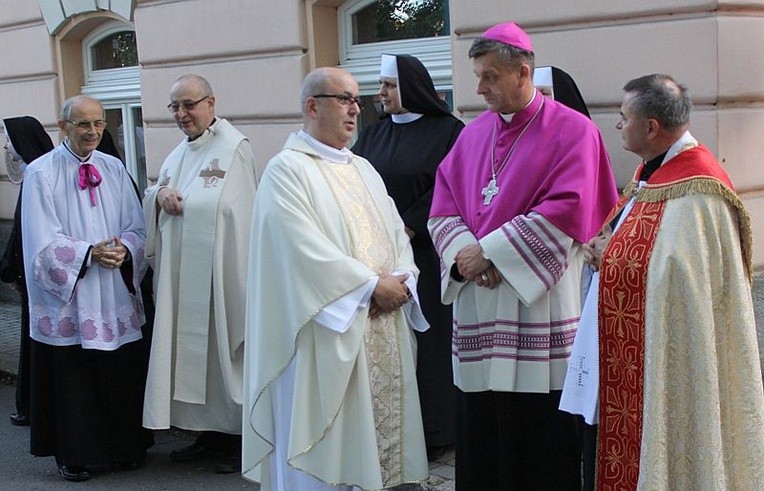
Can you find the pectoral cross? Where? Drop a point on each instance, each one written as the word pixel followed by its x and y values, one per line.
pixel 490 191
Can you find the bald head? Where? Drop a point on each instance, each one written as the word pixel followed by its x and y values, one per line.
pixel 196 80
pixel 192 103
pixel 330 119
pixel 314 83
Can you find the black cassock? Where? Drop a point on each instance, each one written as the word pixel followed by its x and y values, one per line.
pixel 87 405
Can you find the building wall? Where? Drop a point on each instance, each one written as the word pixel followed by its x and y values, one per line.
pixel 255 62
pixel 27 83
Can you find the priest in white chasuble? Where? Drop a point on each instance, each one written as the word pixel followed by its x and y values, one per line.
pixel 198 217
pixel 331 398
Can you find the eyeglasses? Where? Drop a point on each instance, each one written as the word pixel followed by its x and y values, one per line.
pixel 98 124
pixel 187 105
pixel 344 99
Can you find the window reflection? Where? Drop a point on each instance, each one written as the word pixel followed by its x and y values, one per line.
pixel 390 20
pixel 114 128
pixel 125 140
pixel 118 50
pixel 140 148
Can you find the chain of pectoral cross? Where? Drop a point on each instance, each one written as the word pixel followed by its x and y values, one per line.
pixel 492 189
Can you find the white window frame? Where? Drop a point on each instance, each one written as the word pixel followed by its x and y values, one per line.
pixel 111 84
pixel 362 60
pixel 128 123
pixel 116 88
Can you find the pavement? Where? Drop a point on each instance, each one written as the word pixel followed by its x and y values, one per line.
pixel 10 318
pixel 20 470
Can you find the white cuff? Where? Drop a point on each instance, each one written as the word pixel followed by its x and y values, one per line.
pixel 411 309
pixel 339 314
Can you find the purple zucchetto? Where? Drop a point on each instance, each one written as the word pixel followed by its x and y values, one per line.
pixel 511 34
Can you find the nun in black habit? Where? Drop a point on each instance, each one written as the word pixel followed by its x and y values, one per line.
pixel 406 149
pixel 26 140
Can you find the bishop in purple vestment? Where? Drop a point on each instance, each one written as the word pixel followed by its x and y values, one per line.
pixel 526 183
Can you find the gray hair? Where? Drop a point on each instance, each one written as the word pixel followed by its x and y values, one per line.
pixel 511 56
pixel 660 97
pixel 315 83
pixel 68 106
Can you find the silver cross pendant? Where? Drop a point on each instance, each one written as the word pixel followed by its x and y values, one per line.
pixel 490 191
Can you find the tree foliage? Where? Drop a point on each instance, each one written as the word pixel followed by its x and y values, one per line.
pixel 409 19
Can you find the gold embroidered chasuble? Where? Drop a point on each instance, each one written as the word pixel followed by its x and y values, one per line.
pixel 681 398
pixel 372 246
pixel 320 231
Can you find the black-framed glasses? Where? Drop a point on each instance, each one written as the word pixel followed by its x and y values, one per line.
pixel 344 99
pixel 98 124
pixel 186 105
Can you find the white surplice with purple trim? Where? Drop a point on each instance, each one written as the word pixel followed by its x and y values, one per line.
pixel 552 189
pixel 516 337
pixel 103 309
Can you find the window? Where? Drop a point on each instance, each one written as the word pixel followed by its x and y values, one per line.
pixel 395 20
pixel 124 122
pixel 369 28
pixel 117 50
pixel 110 58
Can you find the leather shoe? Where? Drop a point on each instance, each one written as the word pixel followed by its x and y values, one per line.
pixel 228 464
pixel 73 473
pixel 19 419
pixel 190 453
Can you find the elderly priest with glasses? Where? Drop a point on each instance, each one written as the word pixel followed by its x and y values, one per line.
pixel 83 259
pixel 198 217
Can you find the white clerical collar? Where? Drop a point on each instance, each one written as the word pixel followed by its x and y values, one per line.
pixel 206 134
pixel 405 117
pixel 338 156
pixel 81 159
pixel 685 141
pixel 508 117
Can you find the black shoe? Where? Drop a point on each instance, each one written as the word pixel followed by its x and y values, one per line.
pixel 73 473
pixel 19 419
pixel 228 464
pixel 190 453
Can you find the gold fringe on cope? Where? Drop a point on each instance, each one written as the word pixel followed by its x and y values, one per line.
pixel 653 193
